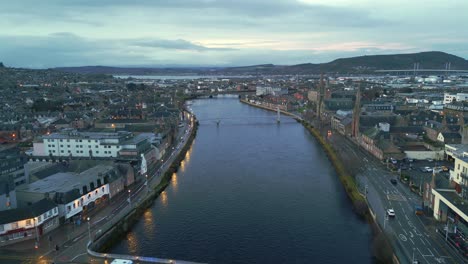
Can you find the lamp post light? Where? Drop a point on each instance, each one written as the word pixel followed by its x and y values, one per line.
pixel 146 183
pixel 129 198
pixel 89 228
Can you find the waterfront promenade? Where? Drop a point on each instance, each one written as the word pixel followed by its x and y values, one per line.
pixel 71 240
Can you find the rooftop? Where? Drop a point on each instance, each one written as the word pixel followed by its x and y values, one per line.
pixel 65 181
pixel 36 209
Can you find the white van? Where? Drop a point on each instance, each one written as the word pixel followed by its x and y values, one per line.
pixel 121 261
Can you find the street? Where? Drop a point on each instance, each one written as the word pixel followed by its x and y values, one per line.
pixel 413 237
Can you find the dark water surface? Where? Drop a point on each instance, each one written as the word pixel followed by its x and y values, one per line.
pixel 251 191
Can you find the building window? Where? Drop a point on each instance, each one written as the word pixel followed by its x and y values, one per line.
pixel 55 210
pixel 102 189
pixel 61 151
pixel 2 228
pixel 14 225
pixel 28 222
pixel 68 209
pixel 89 196
pixel 39 218
pixel 68 146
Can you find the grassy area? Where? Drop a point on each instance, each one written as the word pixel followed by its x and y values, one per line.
pixel 347 180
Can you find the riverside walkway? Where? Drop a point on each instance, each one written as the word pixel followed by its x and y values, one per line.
pixel 72 240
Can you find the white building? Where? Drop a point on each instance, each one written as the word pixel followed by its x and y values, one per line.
pixel 268 90
pixel 73 192
pixel 29 222
pixel 71 143
pixel 459 97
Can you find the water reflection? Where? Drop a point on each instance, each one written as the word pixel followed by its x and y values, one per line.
pixel 148 221
pixel 164 198
pixel 188 154
pixel 182 166
pixel 174 182
pixel 132 243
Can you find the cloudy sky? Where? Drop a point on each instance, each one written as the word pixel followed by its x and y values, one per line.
pixel 53 33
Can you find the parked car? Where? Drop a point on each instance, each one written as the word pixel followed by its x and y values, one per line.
pixel 437 169
pixel 394 181
pixel 430 160
pixel 427 169
pixel 390 213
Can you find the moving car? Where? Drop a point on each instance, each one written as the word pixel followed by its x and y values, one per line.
pixel 393 181
pixel 390 212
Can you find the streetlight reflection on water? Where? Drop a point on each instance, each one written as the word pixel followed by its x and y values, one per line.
pixel 174 181
pixel 164 198
pixel 132 243
pixel 148 222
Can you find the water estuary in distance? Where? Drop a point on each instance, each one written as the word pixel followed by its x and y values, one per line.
pixel 251 191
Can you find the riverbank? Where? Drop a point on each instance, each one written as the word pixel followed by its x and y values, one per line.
pixel 383 251
pixel 121 224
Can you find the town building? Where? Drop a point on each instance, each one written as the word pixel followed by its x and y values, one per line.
pixel 75 193
pixel 30 222
pixel 71 143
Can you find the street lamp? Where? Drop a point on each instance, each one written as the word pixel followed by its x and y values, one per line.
pixel 89 228
pixel 129 198
pixel 146 183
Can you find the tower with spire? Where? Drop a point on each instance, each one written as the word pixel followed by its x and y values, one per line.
pixel 356 113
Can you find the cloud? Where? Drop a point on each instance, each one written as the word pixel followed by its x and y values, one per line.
pixel 178 44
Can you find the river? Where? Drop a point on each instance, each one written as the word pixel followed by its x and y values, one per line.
pixel 251 191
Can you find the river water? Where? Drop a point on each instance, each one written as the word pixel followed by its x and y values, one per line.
pixel 251 191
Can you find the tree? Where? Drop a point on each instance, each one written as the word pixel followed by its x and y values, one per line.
pixel 1 65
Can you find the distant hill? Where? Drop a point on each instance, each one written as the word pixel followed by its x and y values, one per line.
pixel 361 64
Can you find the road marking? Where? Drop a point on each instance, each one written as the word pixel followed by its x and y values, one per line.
pixel 422 241
pixel 78 256
pixel 402 237
pixel 411 234
pixel 428 242
pixel 405 232
pixel 406 217
pixel 411 241
pixel 399 223
pixel 430 252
